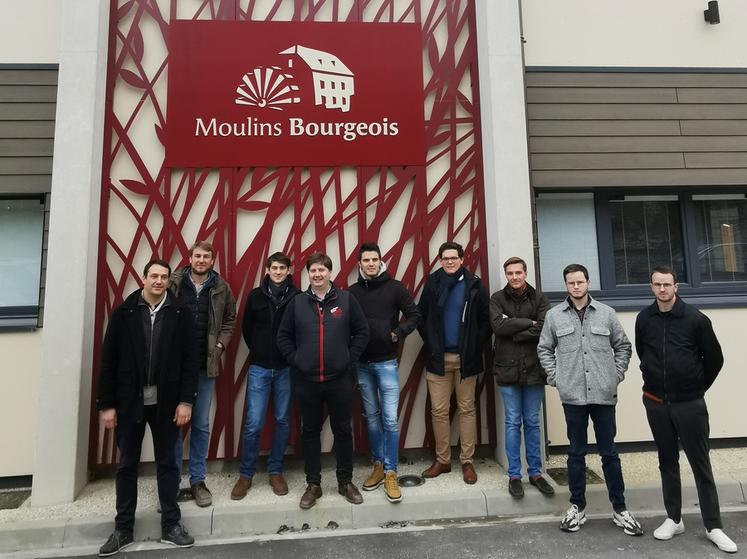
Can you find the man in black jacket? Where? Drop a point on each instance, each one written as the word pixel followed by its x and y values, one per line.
pixel 517 313
pixel 148 375
pixel 268 373
pixel 455 327
pixel 382 299
pixel 322 336
pixel 680 359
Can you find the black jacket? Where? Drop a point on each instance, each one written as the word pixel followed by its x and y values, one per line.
pixel 123 360
pixel 680 355
pixel 382 299
pixel 322 340
pixel 517 322
pixel 262 322
pixel 474 329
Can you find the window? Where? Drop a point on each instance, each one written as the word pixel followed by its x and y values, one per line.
pixel 21 239
pixel 620 237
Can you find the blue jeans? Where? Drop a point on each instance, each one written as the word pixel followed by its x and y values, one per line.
pixel 200 431
pixel 521 405
pixel 259 383
pixel 379 388
pixel 605 429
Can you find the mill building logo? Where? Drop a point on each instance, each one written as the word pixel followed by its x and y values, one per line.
pixel 273 87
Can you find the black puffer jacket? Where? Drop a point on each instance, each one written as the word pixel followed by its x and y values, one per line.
pixel 680 355
pixel 382 299
pixel 474 329
pixel 517 322
pixel 261 324
pixel 322 340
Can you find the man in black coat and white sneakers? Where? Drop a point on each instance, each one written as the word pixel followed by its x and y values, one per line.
pixel 322 336
pixel 680 359
pixel 382 299
pixel 148 375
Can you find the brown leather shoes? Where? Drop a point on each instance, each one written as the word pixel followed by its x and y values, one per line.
pixel 436 469
pixel 309 497
pixel 278 484
pixel 243 484
pixel 350 492
pixel 469 474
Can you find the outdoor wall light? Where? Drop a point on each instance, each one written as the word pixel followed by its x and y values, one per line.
pixel 711 14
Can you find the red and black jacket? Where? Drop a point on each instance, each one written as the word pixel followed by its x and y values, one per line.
pixel 322 340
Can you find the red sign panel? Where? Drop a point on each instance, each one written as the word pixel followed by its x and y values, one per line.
pixel 247 94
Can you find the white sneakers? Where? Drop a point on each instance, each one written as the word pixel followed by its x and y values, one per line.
pixel 721 540
pixel 669 529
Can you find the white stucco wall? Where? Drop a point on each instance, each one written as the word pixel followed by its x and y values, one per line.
pixel 30 32
pixel 659 33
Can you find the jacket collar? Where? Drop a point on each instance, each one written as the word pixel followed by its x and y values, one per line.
pixel 678 309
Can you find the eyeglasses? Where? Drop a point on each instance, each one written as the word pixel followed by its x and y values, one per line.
pixel 450 258
pixel 663 285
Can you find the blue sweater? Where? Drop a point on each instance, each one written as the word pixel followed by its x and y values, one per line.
pixel 453 317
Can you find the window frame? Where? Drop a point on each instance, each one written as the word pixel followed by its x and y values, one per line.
pixel 28 317
pixel 710 294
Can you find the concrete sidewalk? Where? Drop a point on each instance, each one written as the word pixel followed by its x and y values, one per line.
pixel 89 520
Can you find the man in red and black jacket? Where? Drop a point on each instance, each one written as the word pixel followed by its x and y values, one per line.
pixel 322 336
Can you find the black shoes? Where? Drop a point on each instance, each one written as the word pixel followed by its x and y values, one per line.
pixel 177 536
pixel 541 484
pixel 515 488
pixel 118 540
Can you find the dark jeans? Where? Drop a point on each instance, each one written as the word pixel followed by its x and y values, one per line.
pixel 311 397
pixel 605 429
pixel 688 423
pixel 129 442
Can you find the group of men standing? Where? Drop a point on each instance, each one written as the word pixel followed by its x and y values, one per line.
pixel 163 346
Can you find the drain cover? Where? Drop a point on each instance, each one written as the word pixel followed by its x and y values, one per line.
pixel 560 476
pixel 14 498
pixel 411 480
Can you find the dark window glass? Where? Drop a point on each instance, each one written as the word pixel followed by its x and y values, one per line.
pixel 721 238
pixel 646 233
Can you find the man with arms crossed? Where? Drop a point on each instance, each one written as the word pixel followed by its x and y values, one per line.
pixel 213 308
pixel 585 353
pixel 454 328
pixel 382 299
pixel 517 313
pixel 268 373
pixel 322 336
pixel 680 359
pixel 148 375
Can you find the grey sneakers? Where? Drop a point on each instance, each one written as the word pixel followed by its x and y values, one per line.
pixel 177 536
pixel 118 540
pixel 202 494
pixel 573 520
pixel 627 522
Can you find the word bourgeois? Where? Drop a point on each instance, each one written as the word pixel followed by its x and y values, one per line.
pixel 349 131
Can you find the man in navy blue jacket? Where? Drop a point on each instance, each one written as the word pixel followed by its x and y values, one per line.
pixel 322 336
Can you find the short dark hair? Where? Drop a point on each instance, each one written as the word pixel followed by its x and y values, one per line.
pixel 571 268
pixel 368 247
pixel 451 245
pixel 278 257
pixel 514 260
pixel 202 245
pixel 663 270
pixel 319 258
pixel 155 262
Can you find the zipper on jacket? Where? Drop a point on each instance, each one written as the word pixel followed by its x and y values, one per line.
pixel 664 357
pixel 321 342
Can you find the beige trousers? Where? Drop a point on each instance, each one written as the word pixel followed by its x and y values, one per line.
pixel 440 389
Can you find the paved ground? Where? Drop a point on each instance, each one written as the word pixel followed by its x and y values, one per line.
pixel 517 538
pixel 39 531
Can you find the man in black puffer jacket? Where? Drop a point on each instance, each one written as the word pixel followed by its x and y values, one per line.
pixel 322 336
pixel 680 359
pixel 382 299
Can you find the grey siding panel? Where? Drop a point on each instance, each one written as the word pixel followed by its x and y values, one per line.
pixel 637 129
pixel 27 111
pixel 631 144
pixel 25 165
pixel 28 94
pixel 602 95
pixel 27 129
pixel 546 161
pixel 28 77
pixel 604 128
pixel 13 147
pixel 25 184
pixel 639 177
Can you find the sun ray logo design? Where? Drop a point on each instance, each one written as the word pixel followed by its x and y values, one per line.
pixel 267 87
